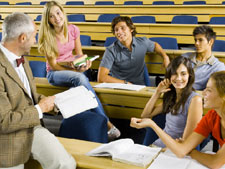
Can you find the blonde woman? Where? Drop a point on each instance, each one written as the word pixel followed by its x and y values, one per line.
pixel 213 121
pixel 57 40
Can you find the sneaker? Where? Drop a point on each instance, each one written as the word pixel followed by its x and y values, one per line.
pixel 113 133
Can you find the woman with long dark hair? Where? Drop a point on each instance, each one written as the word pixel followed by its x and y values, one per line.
pixel 181 104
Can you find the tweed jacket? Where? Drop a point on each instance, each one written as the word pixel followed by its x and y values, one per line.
pixel 18 115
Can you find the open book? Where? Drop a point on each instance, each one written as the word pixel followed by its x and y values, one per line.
pixel 72 60
pixel 168 160
pixel 75 100
pixel 124 150
pixel 83 62
pixel 120 86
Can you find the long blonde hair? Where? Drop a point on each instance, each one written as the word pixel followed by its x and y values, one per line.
pixel 219 81
pixel 47 44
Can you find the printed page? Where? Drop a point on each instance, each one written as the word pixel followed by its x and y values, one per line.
pixel 112 149
pixel 75 100
pixel 164 161
pixel 120 86
pixel 137 154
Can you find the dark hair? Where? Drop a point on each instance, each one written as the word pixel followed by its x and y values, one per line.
pixel 126 19
pixel 205 30
pixel 169 98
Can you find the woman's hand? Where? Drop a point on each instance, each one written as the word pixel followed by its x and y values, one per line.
pixel 163 86
pixel 84 67
pixel 141 123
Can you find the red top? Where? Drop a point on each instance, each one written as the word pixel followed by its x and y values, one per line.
pixel 210 123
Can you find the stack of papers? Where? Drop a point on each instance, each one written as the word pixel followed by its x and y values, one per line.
pixel 120 86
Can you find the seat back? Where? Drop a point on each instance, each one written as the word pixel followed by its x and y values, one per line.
pixel 107 17
pixel 74 3
pixel 4 3
pixel 143 19
pixel 43 2
pixel 217 20
pixel 223 3
pixel 87 125
pixel 104 3
pixel 38 18
pixel 219 46
pixel 109 41
pixel 76 18
pixel 184 19
pixel 23 3
pixel 146 76
pixel 85 40
pixel 166 42
pixel 38 68
pixel 194 2
pixel 163 3
pixel 0 36
pixel 133 2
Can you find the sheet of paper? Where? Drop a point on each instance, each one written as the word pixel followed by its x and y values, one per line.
pixel 120 86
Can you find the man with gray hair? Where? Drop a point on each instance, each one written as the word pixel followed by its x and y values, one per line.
pixel 21 108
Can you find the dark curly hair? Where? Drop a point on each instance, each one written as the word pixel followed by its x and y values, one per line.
pixel 126 19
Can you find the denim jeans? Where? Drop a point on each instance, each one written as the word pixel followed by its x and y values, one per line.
pixel 69 78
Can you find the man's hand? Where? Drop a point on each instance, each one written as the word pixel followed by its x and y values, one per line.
pixel 47 104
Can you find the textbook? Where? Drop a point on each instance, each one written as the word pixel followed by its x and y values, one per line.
pixel 73 60
pixel 83 62
pixel 124 150
pixel 75 100
pixel 120 86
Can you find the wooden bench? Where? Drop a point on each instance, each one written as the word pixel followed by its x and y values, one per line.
pixel 78 148
pixel 163 13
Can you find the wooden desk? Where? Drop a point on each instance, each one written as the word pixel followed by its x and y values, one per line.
pixel 78 148
pixel 120 104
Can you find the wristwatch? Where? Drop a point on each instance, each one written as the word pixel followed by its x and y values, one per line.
pixel 125 82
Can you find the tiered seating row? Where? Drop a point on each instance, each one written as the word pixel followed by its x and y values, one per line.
pixel 115 1
pixel 182 32
pixel 163 13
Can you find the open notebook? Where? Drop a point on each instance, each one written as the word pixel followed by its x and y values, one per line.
pixel 124 150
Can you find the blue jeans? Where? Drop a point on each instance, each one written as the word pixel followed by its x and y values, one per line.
pixel 69 78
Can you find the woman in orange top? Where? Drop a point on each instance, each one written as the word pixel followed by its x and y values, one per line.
pixel 213 121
